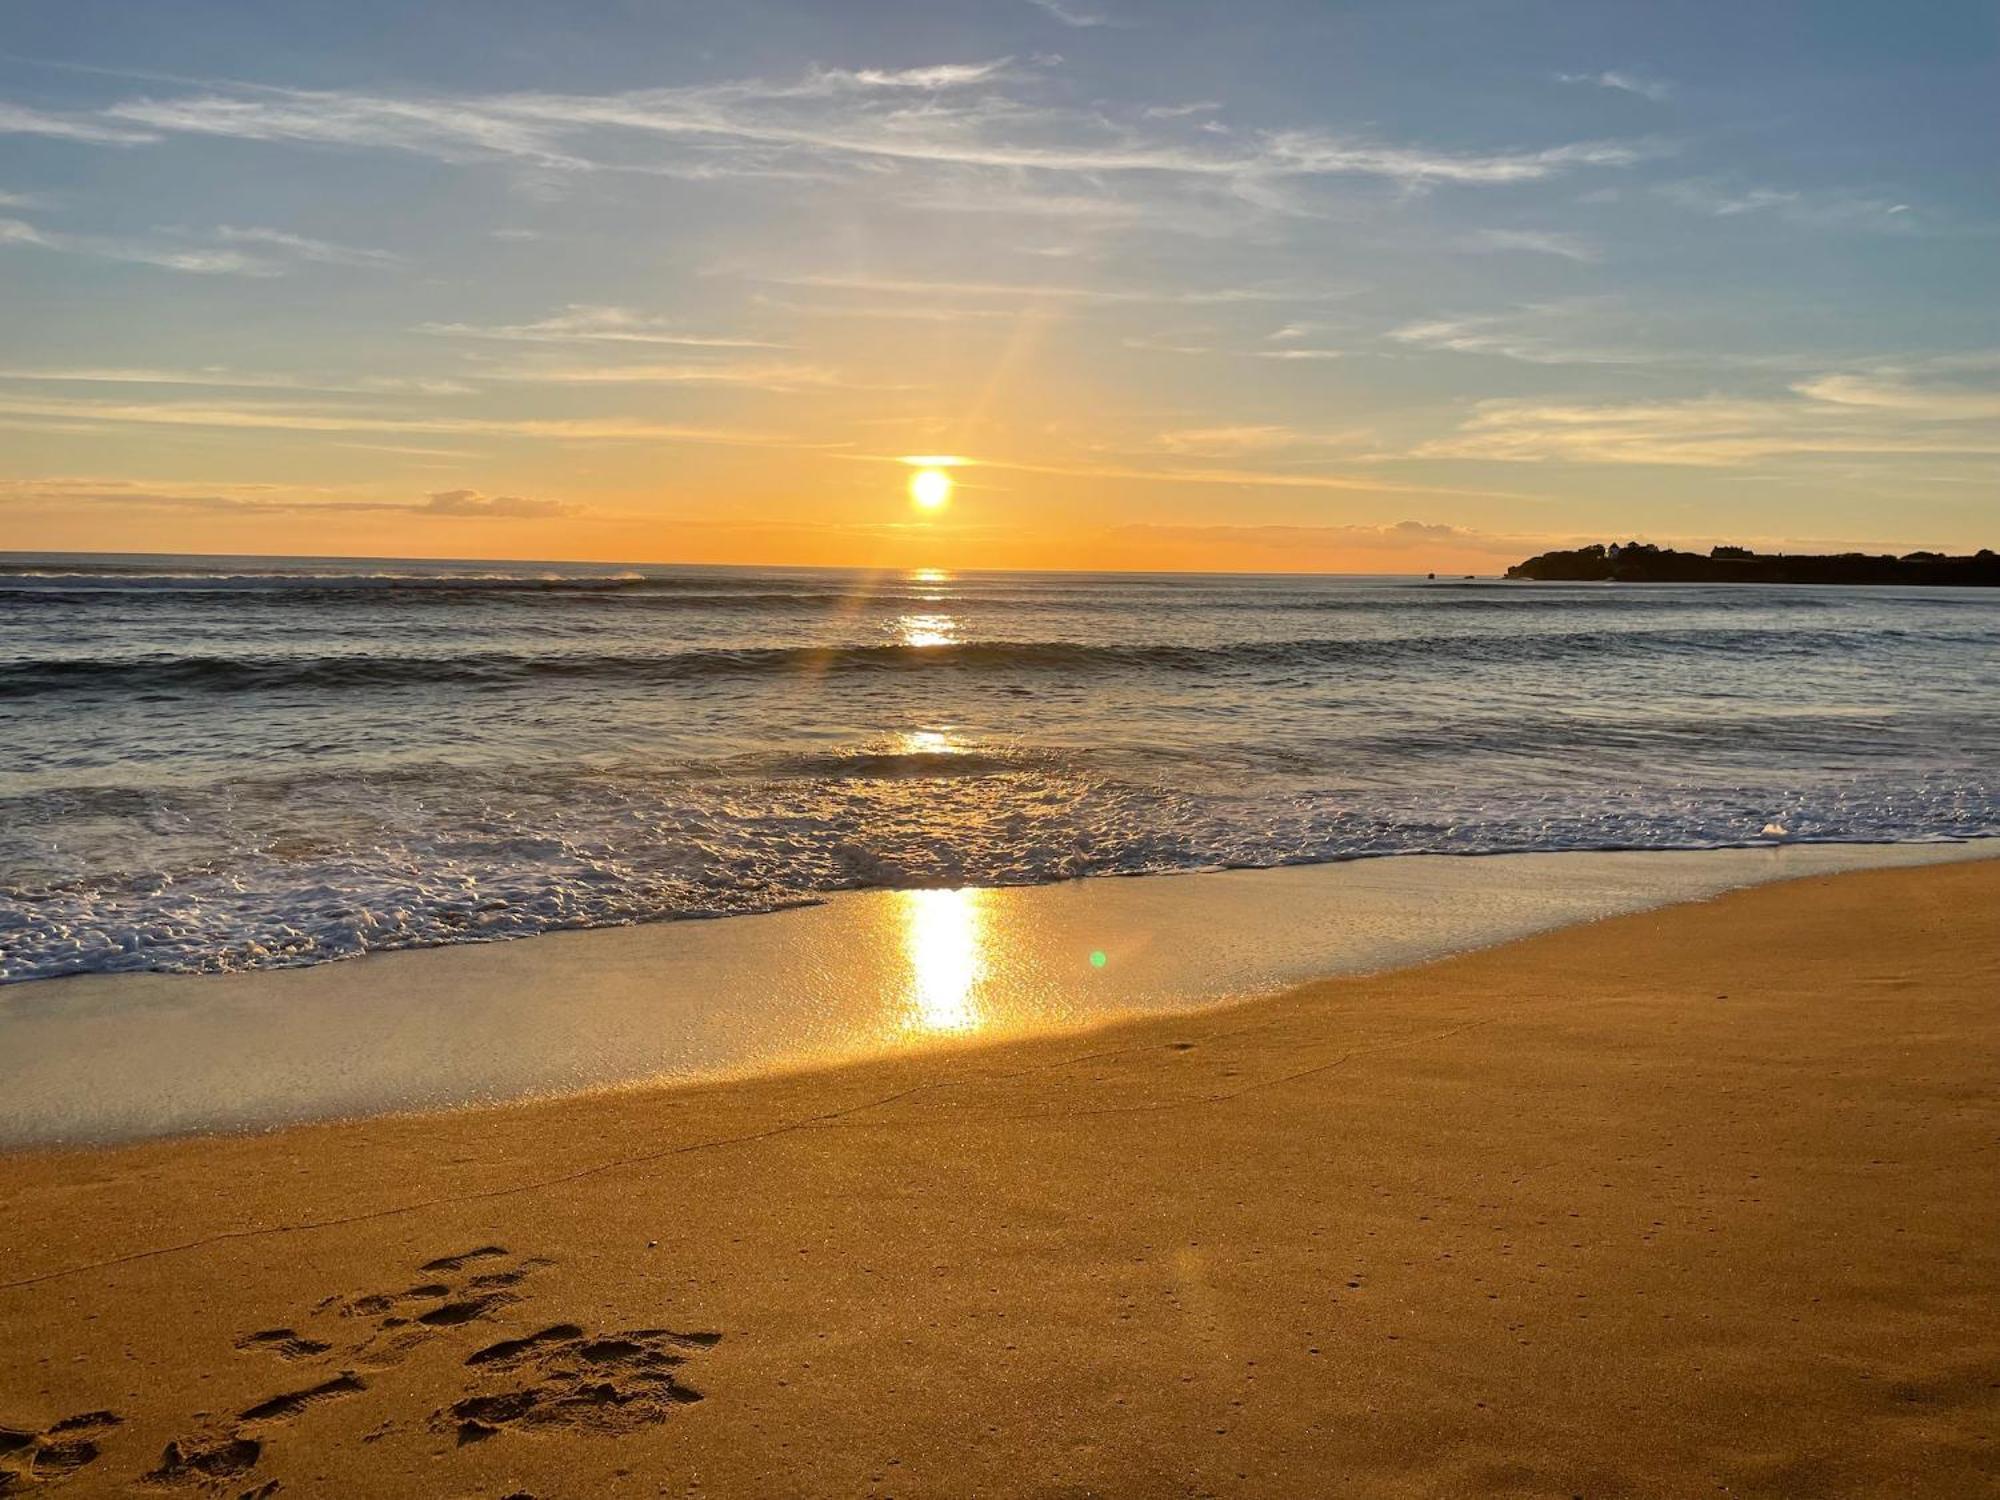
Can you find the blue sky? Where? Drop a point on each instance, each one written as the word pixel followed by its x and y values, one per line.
pixel 1248 286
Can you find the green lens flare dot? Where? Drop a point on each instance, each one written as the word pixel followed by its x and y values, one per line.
pixel 1097 959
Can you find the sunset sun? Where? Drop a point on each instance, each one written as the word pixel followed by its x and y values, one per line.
pixel 930 489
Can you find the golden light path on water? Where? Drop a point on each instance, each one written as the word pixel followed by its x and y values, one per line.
pixel 931 627
pixel 944 943
pixel 927 630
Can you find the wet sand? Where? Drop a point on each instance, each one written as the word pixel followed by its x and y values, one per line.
pixel 108 1057
pixel 1690 1201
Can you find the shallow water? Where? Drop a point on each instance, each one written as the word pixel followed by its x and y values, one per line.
pixel 216 764
pixel 865 974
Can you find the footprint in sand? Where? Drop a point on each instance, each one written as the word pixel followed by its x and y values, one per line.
pixel 406 1319
pixel 206 1461
pixel 283 1408
pixel 460 1262
pixel 214 1458
pixel 282 1342
pixel 564 1378
pixel 30 1460
pixel 560 1377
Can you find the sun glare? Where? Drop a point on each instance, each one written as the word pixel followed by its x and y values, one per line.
pixel 930 489
pixel 944 942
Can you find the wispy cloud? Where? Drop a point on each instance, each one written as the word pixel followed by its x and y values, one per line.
pixel 1266 437
pixel 280 418
pixel 1820 210
pixel 586 323
pixel 195 261
pixel 214 254
pixel 762 377
pixel 984 114
pixel 1230 477
pixel 1311 543
pixel 222 379
pixel 1536 334
pixel 1167 344
pixel 466 504
pixel 1833 416
pixel 894 310
pixel 1071 14
pixel 1032 291
pixel 1537 242
pixel 1925 402
pixel 1656 89
pixel 304 248
pixel 16 119
pixel 472 503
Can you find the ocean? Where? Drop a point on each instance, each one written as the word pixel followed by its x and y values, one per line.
pixel 224 763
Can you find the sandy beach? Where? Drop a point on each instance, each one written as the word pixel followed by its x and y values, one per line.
pixel 1690 1201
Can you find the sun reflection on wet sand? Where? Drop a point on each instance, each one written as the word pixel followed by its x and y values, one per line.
pixel 944 942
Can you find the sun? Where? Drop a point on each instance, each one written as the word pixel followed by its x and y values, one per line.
pixel 930 489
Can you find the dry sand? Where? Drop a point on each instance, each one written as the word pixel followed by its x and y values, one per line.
pixel 1694 1201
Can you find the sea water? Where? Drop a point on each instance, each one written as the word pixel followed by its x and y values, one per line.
pixel 214 764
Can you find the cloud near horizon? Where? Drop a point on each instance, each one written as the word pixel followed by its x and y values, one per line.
pixel 458 504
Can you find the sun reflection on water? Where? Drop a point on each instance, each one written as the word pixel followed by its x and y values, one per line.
pixel 927 630
pixel 944 941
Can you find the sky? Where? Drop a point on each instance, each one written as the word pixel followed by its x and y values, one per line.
pixel 1282 285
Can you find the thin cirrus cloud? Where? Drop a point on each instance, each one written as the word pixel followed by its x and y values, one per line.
pixel 303 247
pixel 1823 210
pixel 1059 292
pixel 1285 354
pixel 987 114
pixel 1233 478
pixel 761 377
pixel 1656 89
pixel 1549 333
pixel 1071 14
pixel 17 119
pixel 1844 417
pixel 466 504
pixel 220 252
pixel 1225 442
pixel 278 418
pixel 224 379
pixel 194 260
pixel 584 323
pixel 1538 242
pixel 1290 541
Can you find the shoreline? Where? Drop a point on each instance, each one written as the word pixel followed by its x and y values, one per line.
pixel 1691 1197
pixel 103 1058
